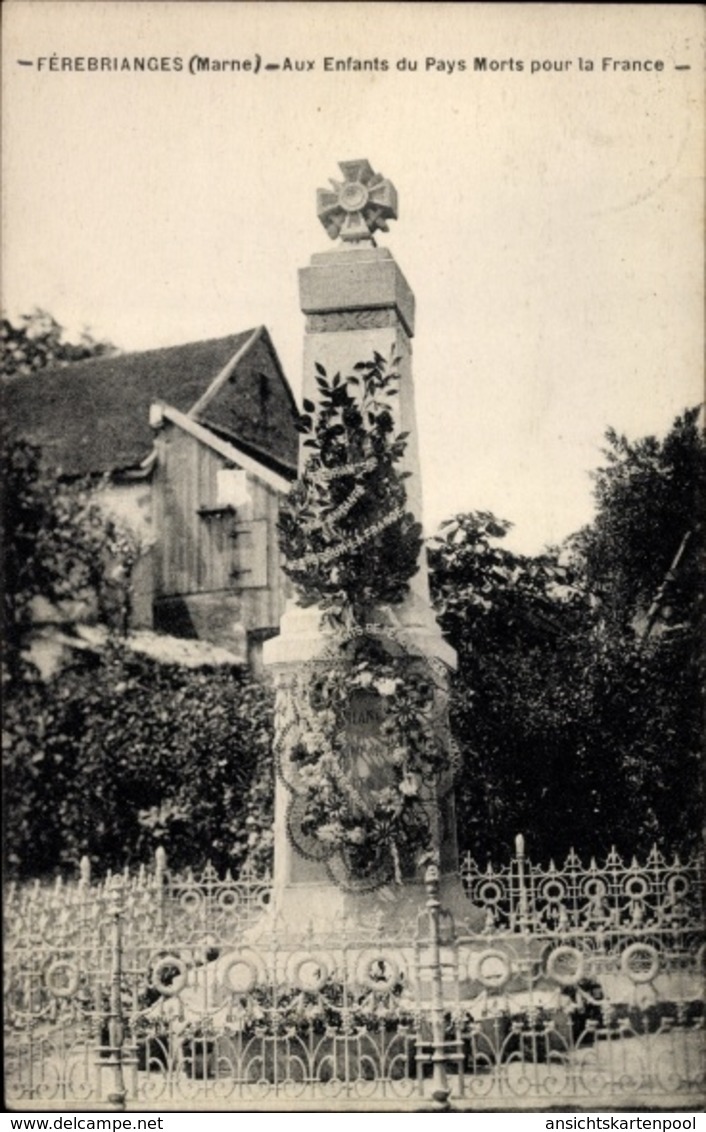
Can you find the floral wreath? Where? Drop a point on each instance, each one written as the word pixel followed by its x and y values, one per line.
pixel 368 835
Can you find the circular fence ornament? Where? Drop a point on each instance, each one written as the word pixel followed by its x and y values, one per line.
pixel 377 971
pixel 61 978
pixel 565 965
pixel 553 890
pixel 191 901
pixel 636 887
pixel 488 894
pixel 228 900
pixel 240 975
pixel 308 972
pixel 493 969
pixel 169 974
pixel 640 962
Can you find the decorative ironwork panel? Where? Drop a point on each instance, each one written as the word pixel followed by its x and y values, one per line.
pixel 614 895
pixel 151 989
pixel 586 982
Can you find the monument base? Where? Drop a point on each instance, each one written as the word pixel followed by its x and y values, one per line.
pixel 326 912
pixel 301 638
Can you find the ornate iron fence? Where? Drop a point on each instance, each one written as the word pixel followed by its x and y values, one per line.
pixel 152 990
pixel 590 983
pixel 526 897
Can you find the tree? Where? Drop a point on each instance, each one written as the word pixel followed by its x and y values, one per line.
pixel 650 499
pixel 347 538
pixel 578 701
pixel 39 342
pixel 58 544
pixel 515 622
pixel 642 560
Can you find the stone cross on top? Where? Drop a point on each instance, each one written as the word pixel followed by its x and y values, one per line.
pixel 359 205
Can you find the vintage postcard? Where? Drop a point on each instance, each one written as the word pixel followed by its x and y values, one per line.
pixel 352 368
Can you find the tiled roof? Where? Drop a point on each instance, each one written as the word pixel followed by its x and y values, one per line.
pixel 93 417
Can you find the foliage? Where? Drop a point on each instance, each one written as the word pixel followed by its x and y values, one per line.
pixel 349 546
pixel 650 497
pixel 642 560
pixel 577 705
pixel 514 621
pixel 576 725
pixel 39 342
pixel 347 540
pixel 58 544
pixel 117 754
pixel 333 1007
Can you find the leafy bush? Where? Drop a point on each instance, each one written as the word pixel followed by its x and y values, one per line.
pixel 58 544
pixel 39 342
pixel 117 754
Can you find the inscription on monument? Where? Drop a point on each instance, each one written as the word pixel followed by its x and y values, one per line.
pixel 367 752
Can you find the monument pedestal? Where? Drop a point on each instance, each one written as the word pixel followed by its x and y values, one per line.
pixel 305 899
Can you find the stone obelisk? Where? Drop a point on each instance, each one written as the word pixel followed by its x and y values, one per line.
pixel 357 303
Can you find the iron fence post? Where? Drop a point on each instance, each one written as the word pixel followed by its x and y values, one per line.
pixel 440 1093
pixel 84 871
pixel 116 1025
pixel 160 868
pixel 524 908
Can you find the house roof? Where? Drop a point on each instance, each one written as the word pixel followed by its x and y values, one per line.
pixel 188 653
pixel 93 417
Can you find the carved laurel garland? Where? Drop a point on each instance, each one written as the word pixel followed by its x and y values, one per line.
pixel 367 319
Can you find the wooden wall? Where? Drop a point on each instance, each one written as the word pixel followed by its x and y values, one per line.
pixel 203 547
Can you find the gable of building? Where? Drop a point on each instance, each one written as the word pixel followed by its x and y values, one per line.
pixel 251 403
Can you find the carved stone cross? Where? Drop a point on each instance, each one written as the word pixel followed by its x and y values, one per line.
pixel 359 205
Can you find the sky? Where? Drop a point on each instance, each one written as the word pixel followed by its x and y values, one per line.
pixel 550 215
